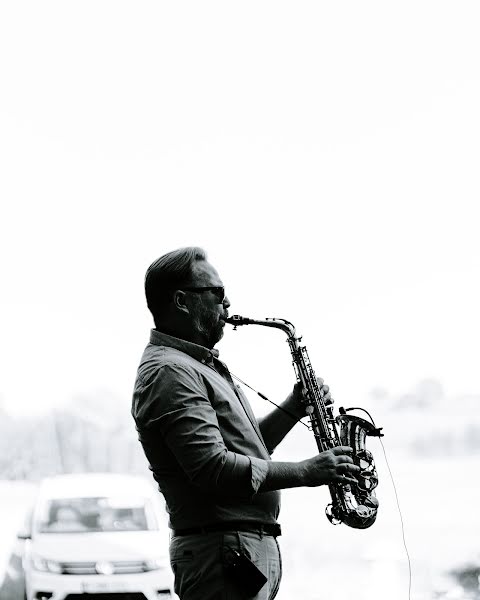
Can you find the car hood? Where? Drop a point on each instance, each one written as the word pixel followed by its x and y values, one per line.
pixel 93 547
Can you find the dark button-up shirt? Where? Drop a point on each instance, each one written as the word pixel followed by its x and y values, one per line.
pixel 200 436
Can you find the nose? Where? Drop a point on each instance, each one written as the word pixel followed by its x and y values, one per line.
pixel 226 302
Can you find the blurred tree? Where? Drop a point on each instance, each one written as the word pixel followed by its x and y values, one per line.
pixel 468 577
pixel 91 434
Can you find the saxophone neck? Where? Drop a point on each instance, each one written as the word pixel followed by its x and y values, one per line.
pixel 283 324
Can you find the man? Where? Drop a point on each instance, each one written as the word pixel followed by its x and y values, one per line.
pixel 209 455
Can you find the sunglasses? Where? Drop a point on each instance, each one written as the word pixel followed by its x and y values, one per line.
pixel 219 292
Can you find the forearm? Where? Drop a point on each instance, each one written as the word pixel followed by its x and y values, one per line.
pixel 330 466
pixel 282 475
pixel 279 422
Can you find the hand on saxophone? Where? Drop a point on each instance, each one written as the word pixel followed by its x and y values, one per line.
pixel 298 394
pixel 331 466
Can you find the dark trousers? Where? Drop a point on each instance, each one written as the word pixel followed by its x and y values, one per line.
pixel 198 565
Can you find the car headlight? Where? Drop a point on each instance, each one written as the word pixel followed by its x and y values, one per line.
pixel 46 565
pixel 154 564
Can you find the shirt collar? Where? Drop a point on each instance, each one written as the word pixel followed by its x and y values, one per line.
pixel 196 351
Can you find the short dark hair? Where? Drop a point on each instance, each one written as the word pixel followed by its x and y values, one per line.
pixel 167 274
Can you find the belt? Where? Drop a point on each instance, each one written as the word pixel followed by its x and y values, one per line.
pixel 249 526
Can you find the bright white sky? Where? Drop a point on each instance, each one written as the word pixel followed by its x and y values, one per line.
pixel 324 154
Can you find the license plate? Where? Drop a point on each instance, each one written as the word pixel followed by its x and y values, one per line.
pixel 99 587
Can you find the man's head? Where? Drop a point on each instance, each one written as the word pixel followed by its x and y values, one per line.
pixel 185 296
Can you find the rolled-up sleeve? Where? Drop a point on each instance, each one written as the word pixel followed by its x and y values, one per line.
pixel 175 405
pixel 259 469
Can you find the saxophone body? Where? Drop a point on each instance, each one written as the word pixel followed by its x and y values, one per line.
pixel 353 504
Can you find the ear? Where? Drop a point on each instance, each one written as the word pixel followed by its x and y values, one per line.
pixel 179 301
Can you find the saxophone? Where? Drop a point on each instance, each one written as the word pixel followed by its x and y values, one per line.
pixel 353 504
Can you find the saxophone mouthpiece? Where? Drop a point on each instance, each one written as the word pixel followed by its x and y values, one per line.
pixel 236 320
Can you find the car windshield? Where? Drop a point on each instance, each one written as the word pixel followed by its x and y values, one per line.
pixel 77 515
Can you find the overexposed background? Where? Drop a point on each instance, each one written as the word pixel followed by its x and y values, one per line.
pixel 326 156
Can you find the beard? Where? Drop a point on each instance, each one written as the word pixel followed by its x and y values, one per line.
pixel 207 324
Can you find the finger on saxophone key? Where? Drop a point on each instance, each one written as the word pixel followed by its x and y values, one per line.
pixel 338 450
pixel 346 473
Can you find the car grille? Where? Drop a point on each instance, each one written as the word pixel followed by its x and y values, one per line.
pixel 109 596
pixel 89 568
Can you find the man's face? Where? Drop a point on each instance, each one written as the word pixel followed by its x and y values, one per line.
pixel 207 311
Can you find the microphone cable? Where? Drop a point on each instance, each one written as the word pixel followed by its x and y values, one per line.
pixel 295 418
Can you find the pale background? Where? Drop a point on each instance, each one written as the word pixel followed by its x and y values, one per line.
pixel 325 154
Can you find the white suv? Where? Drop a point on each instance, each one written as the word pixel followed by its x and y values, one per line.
pixel 95 537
